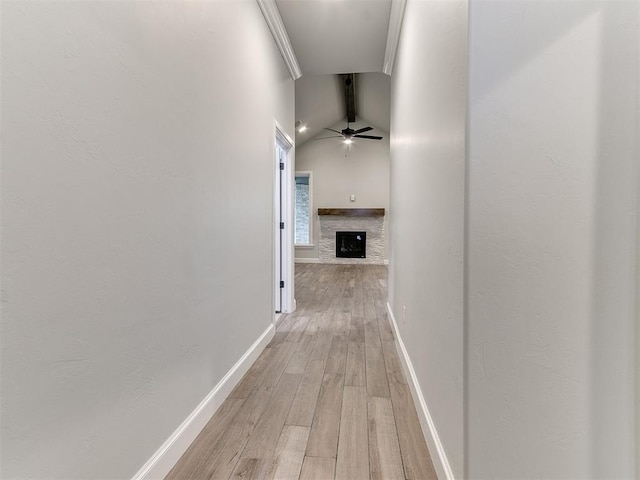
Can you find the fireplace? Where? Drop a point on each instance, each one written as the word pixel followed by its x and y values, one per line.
pixel 351 244
pixel 366 221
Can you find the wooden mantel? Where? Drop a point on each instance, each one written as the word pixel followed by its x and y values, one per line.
pixel 352 212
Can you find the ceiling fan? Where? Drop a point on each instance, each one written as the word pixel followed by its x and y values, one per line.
pixel 348 134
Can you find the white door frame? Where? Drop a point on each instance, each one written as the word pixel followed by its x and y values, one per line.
pixel 283 212
pixel 278 239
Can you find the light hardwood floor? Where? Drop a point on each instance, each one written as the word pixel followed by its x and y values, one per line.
pixel 327 399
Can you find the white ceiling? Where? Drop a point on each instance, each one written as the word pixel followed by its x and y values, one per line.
pixel 373 99
pixel 338 36
pixel 319 103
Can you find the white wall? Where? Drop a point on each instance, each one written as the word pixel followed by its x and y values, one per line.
pixel 637 399
pixel 339 171
pixel 427 210
pixel 137 172
pixel 551 239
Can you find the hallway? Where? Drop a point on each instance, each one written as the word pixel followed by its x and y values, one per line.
pixel 327 397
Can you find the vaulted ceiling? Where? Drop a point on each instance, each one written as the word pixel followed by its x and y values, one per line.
pixel 320 102
pixel 331 37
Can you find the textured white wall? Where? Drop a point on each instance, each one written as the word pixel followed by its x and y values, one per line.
pixel 137 173
pixel 637 400
pixel 551 238
pixel 427 207
pixel 338 172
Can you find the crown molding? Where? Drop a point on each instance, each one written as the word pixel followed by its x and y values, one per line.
pixel 393 34
pixel 274 21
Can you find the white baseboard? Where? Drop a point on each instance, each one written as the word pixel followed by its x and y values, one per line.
pixel 163 460
pixel 436 449
pixel 307 260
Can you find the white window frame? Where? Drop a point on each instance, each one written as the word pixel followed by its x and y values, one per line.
pixel 311 217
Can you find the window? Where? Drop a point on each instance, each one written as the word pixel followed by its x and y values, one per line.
pixel 303 236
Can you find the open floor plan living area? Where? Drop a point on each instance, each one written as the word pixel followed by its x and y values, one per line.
pixel 320 239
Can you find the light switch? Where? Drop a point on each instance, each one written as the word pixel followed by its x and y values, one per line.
pixel 353 198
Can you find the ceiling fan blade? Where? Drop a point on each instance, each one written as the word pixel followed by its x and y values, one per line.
pixel 332 130
pixel 371 137
pixel 362 130
pixel 333 136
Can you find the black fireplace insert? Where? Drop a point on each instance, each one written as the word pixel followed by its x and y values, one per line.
pixel 351 244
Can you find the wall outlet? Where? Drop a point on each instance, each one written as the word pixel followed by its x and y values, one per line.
pixel 352 198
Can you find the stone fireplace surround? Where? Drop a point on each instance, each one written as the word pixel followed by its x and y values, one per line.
pixel 370 220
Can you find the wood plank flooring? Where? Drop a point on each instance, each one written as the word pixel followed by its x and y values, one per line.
pixel 327 398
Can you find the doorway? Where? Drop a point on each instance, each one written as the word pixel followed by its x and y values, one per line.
pixel 283 224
